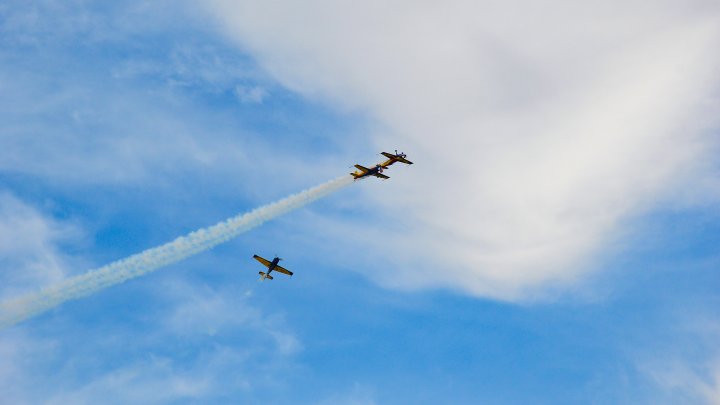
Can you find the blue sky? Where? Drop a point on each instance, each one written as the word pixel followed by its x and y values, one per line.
pixel 555 242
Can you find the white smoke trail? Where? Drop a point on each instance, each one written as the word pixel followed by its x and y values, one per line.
pixel 17 310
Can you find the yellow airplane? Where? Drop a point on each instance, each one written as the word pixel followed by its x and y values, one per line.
pixel 397 157
pixel 271 265
pixel 364 172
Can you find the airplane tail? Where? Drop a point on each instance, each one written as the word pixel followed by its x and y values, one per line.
pixel 264 276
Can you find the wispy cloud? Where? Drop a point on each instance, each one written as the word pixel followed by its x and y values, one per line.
pixel 114 95
pixel 677 380
pixel 31 246
pixel 683 363
pixel 712 390
pixel 250 94
pixel 357 395
pixel 206 312
pixel 198 343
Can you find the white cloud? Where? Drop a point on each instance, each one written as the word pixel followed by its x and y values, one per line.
pixel 193 344
pixel 536 127
pixel 251 95
pixel 89 133
pixel 17 350
pixel 357 395
pixel 29 246
pixel 712 390
pixel 121 114
pixel 681 381
pixel 683 365
pixel 202 311
pixel 150 381
pixel 30 374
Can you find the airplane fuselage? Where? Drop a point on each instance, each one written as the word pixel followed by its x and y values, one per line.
pixel 273 264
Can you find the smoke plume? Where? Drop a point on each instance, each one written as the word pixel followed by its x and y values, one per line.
pixel 17 310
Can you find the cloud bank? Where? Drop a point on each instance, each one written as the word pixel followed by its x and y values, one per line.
pixel 537 127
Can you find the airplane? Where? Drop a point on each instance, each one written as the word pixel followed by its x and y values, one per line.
pixel 364 172
pixel 397 157
pixel 271 266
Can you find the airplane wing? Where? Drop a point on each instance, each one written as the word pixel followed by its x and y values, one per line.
pixel 283 270
pixel 388 155
pixel 263 261
pixel 362 169
pixel 407 162
pixel 382 176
